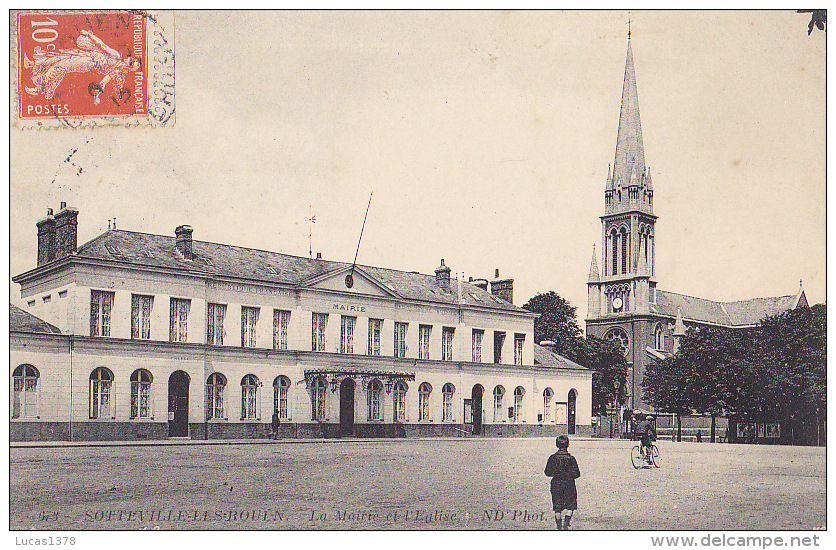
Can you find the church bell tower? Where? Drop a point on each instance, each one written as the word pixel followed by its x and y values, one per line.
pixel 620 294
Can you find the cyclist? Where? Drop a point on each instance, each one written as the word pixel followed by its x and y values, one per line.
pixel 646 432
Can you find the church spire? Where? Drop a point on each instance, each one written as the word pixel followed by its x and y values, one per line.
pixel 594 274
pixel 629 166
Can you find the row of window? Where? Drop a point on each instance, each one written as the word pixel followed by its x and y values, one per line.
pixel 101 306
pixel 617 247
pixel 101 403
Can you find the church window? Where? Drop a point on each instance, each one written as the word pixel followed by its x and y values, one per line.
pixel 658 337
pixel 623 250
pixel 614 241
pixel 618 337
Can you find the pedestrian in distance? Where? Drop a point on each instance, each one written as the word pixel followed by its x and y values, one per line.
pixel 563 469
pixel 274 423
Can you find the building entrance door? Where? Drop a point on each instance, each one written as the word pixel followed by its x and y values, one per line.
pixel 570 411
pixel 178 404
pixel 476 403
pixel 347 407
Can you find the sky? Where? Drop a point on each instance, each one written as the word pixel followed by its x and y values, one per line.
pixel 484 136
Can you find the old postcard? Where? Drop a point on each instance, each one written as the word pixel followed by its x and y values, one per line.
pixel 425 270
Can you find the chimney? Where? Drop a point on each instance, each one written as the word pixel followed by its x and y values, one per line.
pixel 184 241
pixel 66 231
pixel 442 276
pixel 503 288
pixel 481 283
pixel 319 255
pixel 46 238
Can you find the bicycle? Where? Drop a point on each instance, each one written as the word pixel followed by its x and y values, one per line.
pixel 645 459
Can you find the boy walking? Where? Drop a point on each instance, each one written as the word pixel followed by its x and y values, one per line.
pixel 563 469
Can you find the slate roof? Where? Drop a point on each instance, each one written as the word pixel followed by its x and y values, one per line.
pixel 739 313
pixel 23 321
pixel 273 267
pixel 544 357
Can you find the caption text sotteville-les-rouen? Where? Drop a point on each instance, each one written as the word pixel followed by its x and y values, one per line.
pixel 350 517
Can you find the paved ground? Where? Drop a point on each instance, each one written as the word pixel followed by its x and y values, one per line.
pixel 413 484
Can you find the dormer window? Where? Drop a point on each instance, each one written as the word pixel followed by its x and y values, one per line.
pixel 113 249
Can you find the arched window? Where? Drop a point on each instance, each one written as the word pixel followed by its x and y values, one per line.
pixel 141 393
pixel 374 394
pixel 614 259
pixel 447 391
pixel 659 337
pixel 25 392
pixel 624 249
pixel 249 397
pixel 519 392
pixel 318 399
pixel 399 401
pixel 424 391
pixel 101 390
pixel 498 394
pixel 281 386
pixel 547 404
pixel 215 385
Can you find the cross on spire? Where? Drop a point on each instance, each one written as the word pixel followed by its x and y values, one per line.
pixel 628 28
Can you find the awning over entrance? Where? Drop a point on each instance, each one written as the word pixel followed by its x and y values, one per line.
pixel 335 376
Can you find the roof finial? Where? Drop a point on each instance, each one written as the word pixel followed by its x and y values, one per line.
pixel 628 28
pixel 800 283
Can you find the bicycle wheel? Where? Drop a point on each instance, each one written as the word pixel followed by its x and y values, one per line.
pixel 637 458
pixel 654 455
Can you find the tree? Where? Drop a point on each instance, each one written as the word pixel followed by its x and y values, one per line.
pixel 665 386
pixel 556 322
pixel 773 372
pixel 609 376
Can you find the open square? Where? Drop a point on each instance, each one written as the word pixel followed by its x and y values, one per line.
pixel 413 484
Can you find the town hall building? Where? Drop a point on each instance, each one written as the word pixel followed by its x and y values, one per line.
pixel 624 303
pixel 139 336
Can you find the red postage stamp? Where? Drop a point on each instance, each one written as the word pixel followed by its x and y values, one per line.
pixel 74 65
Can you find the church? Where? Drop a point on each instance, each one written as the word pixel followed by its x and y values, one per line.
pixel 624 303
pixel 138 336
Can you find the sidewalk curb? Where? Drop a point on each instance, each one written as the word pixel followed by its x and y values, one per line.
pixel 211 442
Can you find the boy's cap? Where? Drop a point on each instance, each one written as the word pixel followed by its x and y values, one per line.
pixel 562 441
